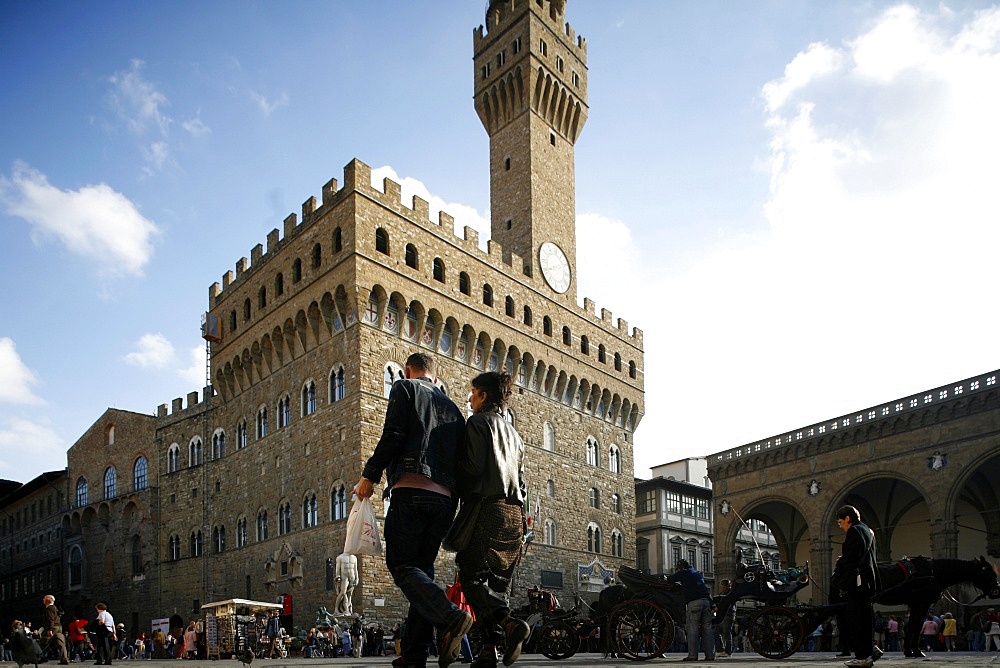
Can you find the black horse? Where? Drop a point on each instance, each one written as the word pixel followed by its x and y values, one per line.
pixel 919 581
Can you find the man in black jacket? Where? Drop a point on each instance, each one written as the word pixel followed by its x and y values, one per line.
pixel 424 430
pixel 53 632
pixel 856 574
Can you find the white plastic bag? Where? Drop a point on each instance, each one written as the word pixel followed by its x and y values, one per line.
pixel 362 529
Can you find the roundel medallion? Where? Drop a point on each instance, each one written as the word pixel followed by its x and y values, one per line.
pixel 555 266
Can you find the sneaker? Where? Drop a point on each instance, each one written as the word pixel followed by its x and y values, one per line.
pixel 515 632
pixel 865 663
pixel 451 639
pixel 876 653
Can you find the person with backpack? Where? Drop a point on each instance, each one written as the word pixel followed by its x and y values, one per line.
pixel 880 625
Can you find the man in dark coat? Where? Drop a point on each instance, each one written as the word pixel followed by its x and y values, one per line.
pixel 856 574
pixel 423 431
pixel 53 629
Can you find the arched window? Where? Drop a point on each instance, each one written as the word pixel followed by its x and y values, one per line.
pixel 241 532
pixel 219 539
pixel 393 372
pixel 509 306
pixel 338 503
pixel 595 498
pixel 584 345
pixel 618 362
pixel 317 256
pixel 438 270
pixel 261 525
pixel 382 241
pixel 411 256
pixel 567 336
pixel 338 240
pixel 241 434
pixel 284 411
pixel 262 422
pixel 262 297
pixel 631 369
pixel 548 436
pixel 232 320
pixel 75 563
pixel 309 398
pixel 140 479
pixel 246 308
pixel 110 433
pixel 297 271
pixel 464 284
pixel 616 504
pixel 547 326
pixel 110 483
pixel 81 491
pixel 614 459
pixel 593 456
pixel 337 384
pixel 284 518
pixel 550 488
pixel 218 444
pixel 194 452
pixel 196 543
pixel 173 458
pixel 487 294
pixel 279 284
pixel 310 512
pixel 594 538
pixel 527 315
pixel 175 547
pixel 617 546
pixel 602 354
pixel 550 532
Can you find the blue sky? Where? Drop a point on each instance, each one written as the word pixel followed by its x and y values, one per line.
pixel 795 201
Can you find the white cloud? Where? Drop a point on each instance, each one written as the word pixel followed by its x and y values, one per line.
pixel 18 436
pixel 879 259
pixel 463 214
pixel 153 351
pixel 138 102
pixel 16 379
pixel 269 106
pixel 194 373
pixel 196 128
pixel 94 222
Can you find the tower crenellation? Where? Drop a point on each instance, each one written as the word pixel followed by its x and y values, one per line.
pixel 357 175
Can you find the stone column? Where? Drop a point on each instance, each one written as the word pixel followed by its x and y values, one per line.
pixel 821 566
pixel 944 539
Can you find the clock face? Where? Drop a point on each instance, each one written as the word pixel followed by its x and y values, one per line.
pixel 555 267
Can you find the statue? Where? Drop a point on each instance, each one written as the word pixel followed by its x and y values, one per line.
pixel 324 618
pixel 347 580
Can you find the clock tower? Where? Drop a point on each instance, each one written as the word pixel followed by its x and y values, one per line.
pixel 531 96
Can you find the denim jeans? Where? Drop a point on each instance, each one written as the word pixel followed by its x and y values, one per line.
pixel 414 527
pixel 699 628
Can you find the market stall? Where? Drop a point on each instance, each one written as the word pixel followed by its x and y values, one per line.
pixel 234 625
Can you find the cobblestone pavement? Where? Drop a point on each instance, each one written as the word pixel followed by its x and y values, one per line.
pixel 893 660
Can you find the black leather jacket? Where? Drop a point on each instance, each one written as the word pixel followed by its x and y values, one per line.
pixel 493 464
pixel 424 430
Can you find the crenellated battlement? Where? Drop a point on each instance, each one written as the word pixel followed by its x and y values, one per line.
pixel 502 13
pixel 357 178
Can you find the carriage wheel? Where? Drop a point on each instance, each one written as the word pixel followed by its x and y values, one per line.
pixel 640 629
pixel 775 632
pixel 558 640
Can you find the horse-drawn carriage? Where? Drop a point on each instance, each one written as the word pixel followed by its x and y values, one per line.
pixel 641 626
pixel 646 610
